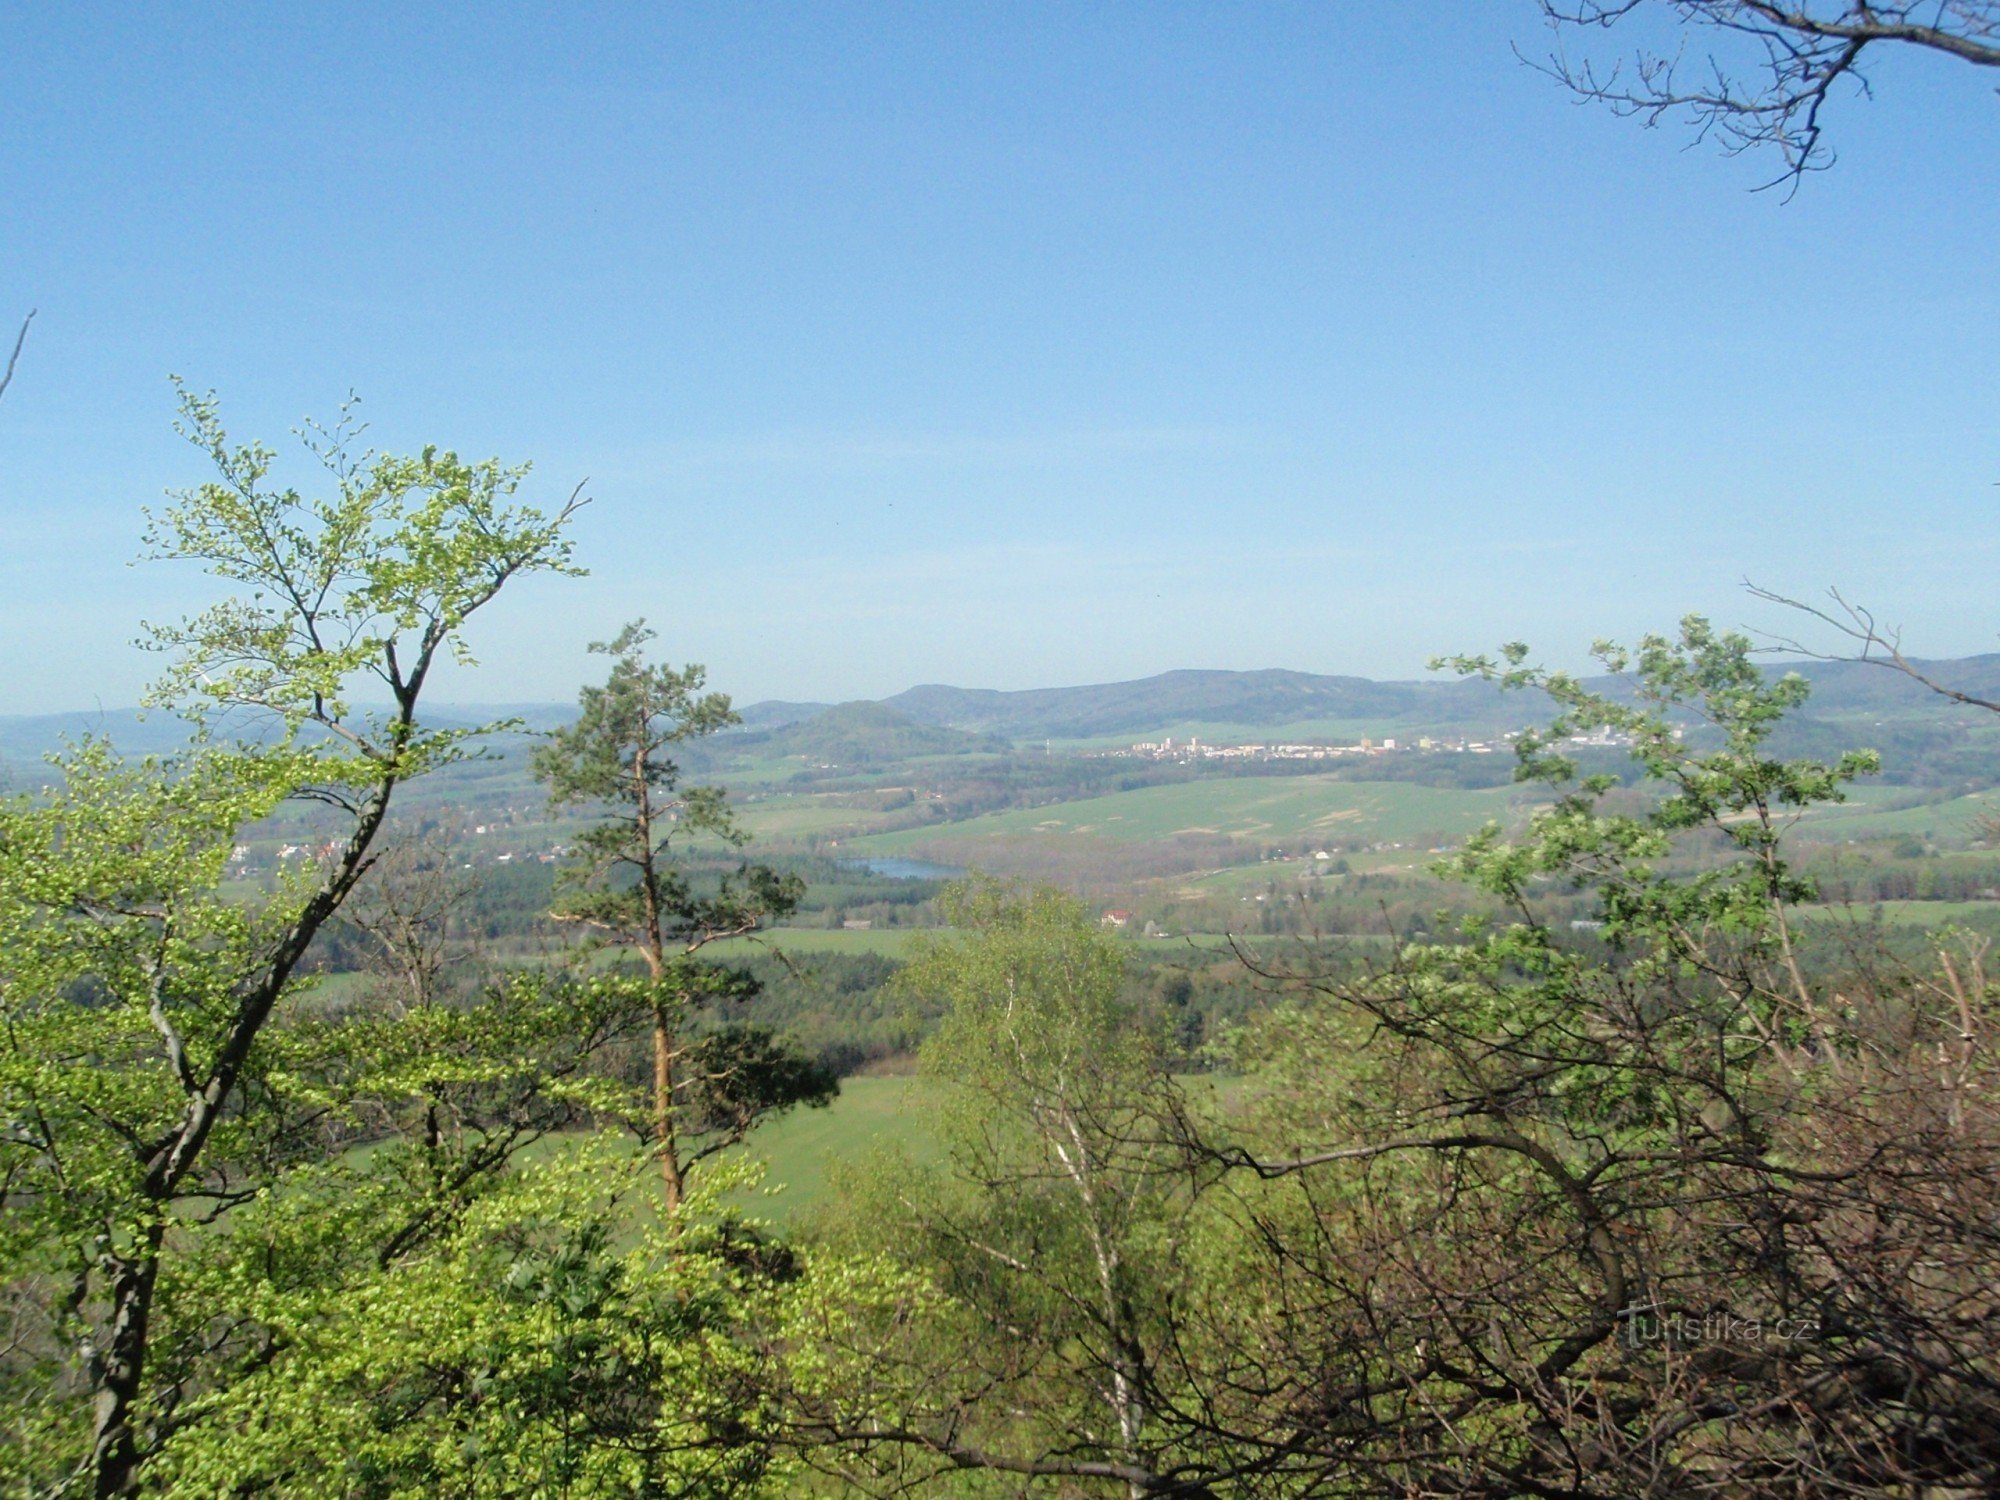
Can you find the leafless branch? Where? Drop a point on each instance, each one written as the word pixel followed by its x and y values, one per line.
pixel 1780 64
pixel 1874 644
pixel 14 359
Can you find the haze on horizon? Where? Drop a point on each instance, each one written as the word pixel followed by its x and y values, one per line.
pixel 1001 347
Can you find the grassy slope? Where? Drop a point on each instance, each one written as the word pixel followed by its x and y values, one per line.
pixel 1860 818
pixel 801 1150
pixel 890 941
pixel 780 817
pixel 1979 914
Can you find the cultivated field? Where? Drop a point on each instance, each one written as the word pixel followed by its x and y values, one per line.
pixel 1248 808
pixel 1864 817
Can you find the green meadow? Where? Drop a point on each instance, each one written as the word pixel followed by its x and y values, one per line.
pixel 1250 808
pixel 891 942
pixel 1984 915
pixel 804 1152
pixel 781 817
pixel 1864 817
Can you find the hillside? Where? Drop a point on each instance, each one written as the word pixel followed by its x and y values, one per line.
pixel 776 713
pixel 1277 697
pixel 864 734
pixel 1848 687
pixel 1270 697
pixel 937 719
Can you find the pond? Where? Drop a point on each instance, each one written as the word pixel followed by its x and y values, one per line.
pixel 905 869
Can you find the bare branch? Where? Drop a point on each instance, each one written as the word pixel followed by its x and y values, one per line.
pixel 14 359
pixel 1874 644
pixel 1779 66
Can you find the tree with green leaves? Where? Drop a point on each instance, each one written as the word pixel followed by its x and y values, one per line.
pixel 1658 1208
pixel 536 1343
pixel 1056 1233
pixel 145 1092
pixel 624 885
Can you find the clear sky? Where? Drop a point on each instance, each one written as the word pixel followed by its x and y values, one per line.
pixel 1003 345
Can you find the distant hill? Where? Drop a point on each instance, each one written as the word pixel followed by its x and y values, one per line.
pixel 775 713
pixel 29 737
pixel 1272 697
pixel 864 734
pixel 1850 687
pixel 941 720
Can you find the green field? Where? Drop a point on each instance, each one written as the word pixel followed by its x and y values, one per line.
pixel 801 1150
pixel 1244 807
pixel 1863 817
pixel 1982 914
pixel 781 816
pixel 892 942
pixel 1288 873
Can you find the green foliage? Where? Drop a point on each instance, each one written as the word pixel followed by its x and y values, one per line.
pixel 1474 1180
pixel 1031 997
pixel 1430 1245
pixel 518 1352
pixel 1051 1233
pixel 623 885
pixel 740 1074
pixel 1736 793
pixel 616 759
pixel 150 1086
pixel 372 580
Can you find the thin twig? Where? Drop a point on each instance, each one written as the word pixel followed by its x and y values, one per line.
pixel 15 358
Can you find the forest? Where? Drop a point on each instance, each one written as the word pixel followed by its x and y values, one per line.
pixel 1683 1194
pixel 927 1098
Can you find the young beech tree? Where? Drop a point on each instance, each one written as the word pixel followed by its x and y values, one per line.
pixel 140 1095
pixel 623 884
pixel 537 1345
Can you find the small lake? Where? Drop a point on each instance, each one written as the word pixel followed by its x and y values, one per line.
pixel 905 869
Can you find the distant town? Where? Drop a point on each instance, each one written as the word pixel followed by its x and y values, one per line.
pixel 1193 748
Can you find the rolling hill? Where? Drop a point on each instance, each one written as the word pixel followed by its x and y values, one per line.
pixel 1271 697
pixel 968 719
pixel 864 734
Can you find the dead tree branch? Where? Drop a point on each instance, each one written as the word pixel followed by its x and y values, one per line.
pixel 1874 643
pixel 14 359
pixel 1775 68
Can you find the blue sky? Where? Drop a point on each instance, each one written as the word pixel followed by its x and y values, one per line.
pixel 999 345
